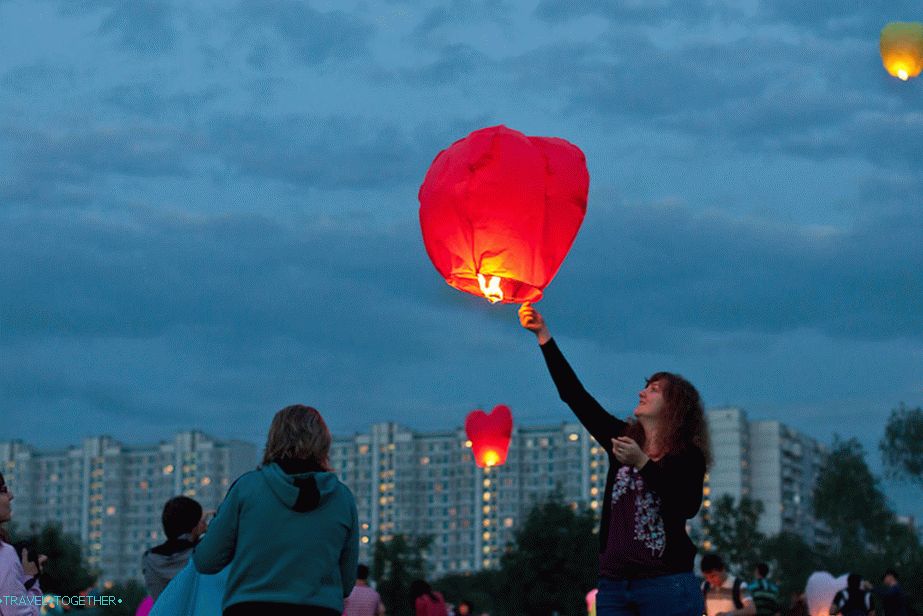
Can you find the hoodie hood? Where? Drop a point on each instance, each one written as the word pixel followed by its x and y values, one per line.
pixel 167 565
pixel 162 563
pixel 299 492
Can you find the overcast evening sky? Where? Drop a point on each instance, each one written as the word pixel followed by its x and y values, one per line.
pixel 208 211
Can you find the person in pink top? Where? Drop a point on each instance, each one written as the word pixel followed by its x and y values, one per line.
pixel 20 594
pixel 426 601
pixel 363 600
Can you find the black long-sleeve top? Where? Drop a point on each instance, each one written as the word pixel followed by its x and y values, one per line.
pixel 642 532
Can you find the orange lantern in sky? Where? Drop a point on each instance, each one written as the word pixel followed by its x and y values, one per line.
pixel 902 49
pixel 490 435
pixel 499 210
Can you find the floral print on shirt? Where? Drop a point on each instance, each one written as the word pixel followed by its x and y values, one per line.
pixel 648 523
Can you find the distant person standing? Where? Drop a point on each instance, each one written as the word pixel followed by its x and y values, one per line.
pixel 183 524
pixel 765 594
pixel 363 600
pixel 20 594
pixel 893 599
pixel 288 531
pixel 854 600
pixel 725 594
pixel 426 601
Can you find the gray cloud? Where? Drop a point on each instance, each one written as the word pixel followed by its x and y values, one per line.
pixel 865 19
pixel 649 12
pixel 432 28
pixel 53 168
pixel 667 265
pixel 143 26
pixel 331 153
pixel 147 99
pixel 313 37
pixel 454 64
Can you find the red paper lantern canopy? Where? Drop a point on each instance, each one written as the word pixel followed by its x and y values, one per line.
pixel 490 435
pixel 499 210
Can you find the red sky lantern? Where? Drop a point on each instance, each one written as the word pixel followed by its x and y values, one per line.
pixel 499 210
pixel 490 435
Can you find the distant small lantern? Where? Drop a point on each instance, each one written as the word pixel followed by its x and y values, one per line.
pixel 499 211
pixel 490 435
pixel 902 49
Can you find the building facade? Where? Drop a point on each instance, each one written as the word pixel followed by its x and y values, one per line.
pixel 769 462
pixel 428 484
pixel 110 496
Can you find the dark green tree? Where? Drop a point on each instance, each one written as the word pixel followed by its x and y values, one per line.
pixel 732 530
pixel 848 499
pixel 395 564
pixel 902 445
pixel 792 560
pixel 66 572
pixel 552 564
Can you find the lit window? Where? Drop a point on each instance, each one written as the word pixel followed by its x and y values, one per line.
pixel 572 436
pixel 168 469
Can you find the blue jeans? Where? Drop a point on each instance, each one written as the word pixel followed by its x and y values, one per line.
pixel 668 595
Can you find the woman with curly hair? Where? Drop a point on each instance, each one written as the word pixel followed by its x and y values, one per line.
pixel 657 463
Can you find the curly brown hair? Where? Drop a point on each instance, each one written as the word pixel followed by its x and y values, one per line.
pixel 298 432
pixel 683 421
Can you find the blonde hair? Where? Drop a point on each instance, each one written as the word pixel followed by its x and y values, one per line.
pixel 298 432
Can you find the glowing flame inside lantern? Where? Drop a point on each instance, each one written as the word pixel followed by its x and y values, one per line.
pixel 902 49
pixel 490 457
pixel 491 290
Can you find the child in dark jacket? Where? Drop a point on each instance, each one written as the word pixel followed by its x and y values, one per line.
pixel 183 524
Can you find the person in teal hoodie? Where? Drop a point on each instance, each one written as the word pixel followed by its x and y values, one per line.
pixel 287 531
